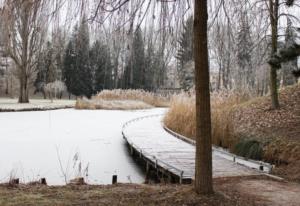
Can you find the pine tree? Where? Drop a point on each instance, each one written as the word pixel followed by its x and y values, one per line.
pixel 49 64
pixel 77 72
pixel 41 77
pixel 69 69
pixel 101 65
pixel 153 68
pixel 84 76
pixel 245 74
pixel 185 51
pixel 290 66
pixel 149 68
pixel 135 69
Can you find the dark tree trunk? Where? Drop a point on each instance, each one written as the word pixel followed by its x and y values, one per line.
pixel 203 176
pixel 273 9
pixel 24 91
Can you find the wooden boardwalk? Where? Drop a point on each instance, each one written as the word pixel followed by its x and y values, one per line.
pixel 162 151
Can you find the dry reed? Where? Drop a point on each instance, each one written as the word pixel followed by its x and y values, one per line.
pixel 111 104
pixel 134 94
pixel 181 116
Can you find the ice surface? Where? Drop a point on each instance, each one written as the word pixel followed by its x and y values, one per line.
pixel 29 142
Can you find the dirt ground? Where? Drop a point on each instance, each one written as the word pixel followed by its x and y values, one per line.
pixel 277 130
pixel 245 191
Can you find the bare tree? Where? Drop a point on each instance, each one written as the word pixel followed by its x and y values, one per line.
pixel 25 29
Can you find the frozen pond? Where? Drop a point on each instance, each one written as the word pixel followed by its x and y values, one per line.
pixel 64 144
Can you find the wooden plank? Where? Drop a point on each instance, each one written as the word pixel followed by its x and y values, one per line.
pixel 148 136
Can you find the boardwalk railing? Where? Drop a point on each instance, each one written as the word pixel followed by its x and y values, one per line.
pixel 157 146
pixel 150 159
pixel 259 165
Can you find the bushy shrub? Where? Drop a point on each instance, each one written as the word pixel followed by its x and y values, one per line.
pixel 250 149
pixel 55 89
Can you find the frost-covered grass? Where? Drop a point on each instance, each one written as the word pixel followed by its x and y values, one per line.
pixel 111 104
pixel 7 104
pixel 123 99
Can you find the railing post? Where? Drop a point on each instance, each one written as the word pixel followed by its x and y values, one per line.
pixel 180 179
pixel 114 179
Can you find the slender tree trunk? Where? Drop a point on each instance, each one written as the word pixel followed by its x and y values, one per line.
pixel 6 89
pixel 24 92
pixel 203 176
pixel 219 78
pixel 273 8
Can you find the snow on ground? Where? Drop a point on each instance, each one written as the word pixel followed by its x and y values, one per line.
pixel 31 144
pixel 7 104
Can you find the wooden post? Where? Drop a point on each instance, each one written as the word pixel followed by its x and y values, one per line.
pixel 43 181
pixel 14 181
pixel 147 167
pixel 131 150
pixel 180 179
pixel 114 179
pixel 169 178
pixel 147 173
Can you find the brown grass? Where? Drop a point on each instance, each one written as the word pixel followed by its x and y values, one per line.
pixel 125 194
pixel 238 117
pixel 111 104
pixel 134 94
pixel 123 99
pixel 181 116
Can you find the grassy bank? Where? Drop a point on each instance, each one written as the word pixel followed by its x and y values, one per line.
pixel 123 100
pixel 128 194
pixel 248 127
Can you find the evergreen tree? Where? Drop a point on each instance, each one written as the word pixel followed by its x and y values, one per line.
pixel 49 64
pixel 292 65
pixel 149 68
pixel 135 69
pixel 185 51
pixel 245 72
pixel 58 51
pixel 84 86
pixel 41 77
pixel 101 66
pixel 69 69
pixel 153 68
pixel 77 72
pixel 46 71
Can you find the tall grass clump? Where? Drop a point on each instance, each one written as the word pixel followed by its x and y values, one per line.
pixel 150 98
pixel 123 100
pixel 181 116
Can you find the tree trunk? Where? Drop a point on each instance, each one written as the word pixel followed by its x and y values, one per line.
pixel 273 8
pixel 24 92
pixel 203 175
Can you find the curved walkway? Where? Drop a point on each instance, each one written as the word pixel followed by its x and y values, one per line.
pixel 147 136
